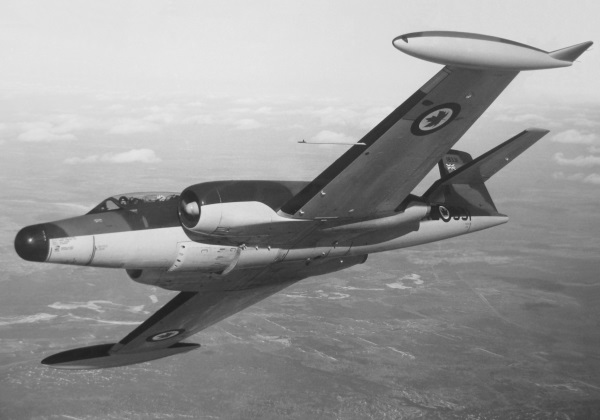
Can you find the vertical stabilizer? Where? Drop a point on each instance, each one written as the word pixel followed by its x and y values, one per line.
pixel 472 194
pixel 453 160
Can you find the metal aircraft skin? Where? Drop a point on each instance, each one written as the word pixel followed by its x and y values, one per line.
pixel 227 245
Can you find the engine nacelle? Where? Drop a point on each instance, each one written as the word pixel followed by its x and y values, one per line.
pixel 205 218
pixel 230 219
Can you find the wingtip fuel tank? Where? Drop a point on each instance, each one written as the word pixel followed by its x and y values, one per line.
pixel 469 50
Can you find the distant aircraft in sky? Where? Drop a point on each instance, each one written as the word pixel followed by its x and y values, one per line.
pixel 227 245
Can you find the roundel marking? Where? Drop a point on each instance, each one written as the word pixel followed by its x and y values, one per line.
pixel 444 213
pixel 165 335
pixel 435 119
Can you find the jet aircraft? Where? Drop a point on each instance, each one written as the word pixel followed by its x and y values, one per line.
pixel 227 245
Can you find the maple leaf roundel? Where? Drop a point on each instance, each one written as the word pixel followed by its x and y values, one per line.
pixel 434 119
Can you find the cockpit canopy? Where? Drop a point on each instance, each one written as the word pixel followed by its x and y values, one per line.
pixel 133 201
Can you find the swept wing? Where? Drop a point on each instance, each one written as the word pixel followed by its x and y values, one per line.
pixel 190 312
pixel 372 180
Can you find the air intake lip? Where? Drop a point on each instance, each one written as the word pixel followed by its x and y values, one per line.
pixel 189 209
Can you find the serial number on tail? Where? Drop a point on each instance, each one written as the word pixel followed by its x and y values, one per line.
pixel 448 213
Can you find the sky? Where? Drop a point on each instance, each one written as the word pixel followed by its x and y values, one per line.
pixel 338 49
pixel 186 91
pixel 101 98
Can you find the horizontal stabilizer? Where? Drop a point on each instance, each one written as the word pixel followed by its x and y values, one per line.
pixel 99 357
pixel 462 179
pixel 486 165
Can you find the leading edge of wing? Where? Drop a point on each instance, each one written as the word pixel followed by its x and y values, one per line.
pixel 336 168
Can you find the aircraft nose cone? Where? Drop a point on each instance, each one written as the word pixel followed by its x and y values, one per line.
pixel 32 244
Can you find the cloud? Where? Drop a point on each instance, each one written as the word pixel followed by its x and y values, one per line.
pixel 574 137
pixel 573 177
pixel 592 178
pixel 594 149
pixel 529 118
pixel 160 118
pixel 247 101
pixel 54 128
pixel 199 119
pixel 265 110
pixel 132 126
pixel 116 107
pixel 44 135
pixel 163 114
pixel 65 123
pixel 579 161
pixel 327 136
pixel 336 116
pixel 77 160
pixel 247 124
pixel 134 155
pixel 374 116
pixel 522 118
pixel 583 121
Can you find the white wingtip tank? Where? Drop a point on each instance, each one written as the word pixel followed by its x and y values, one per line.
pixel 462 49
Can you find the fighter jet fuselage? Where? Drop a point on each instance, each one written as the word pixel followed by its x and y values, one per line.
pixel 151 235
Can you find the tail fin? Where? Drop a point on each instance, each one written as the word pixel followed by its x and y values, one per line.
pixel 462 178
pixel 470 193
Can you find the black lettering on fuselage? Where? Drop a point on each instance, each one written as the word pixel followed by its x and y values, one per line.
pixel 448 213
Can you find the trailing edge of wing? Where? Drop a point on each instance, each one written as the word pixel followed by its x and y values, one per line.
pixel 486 165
